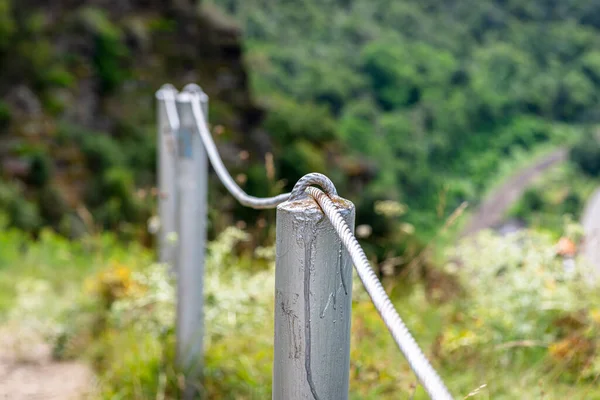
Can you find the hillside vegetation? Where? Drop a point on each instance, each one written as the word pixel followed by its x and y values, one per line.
pixel 411 107
pixel 434 95
pixel 521 328
pixel 77 106
pixel 418 102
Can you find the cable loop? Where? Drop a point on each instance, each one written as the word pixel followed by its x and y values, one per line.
pixel 315 178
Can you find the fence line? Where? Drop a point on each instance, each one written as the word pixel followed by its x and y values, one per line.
pixel 305 246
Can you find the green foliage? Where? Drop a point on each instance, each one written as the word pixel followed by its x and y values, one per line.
pixel 140 315
pixel 110 52
pixel 521 310
pixel 429 93
pixel 40 169
pixel 116 203
pixel 7 23
pixel 290 121
pixel 101 151
pixel 586 155
pixel 107 59
pixel 60 266
pixel 53 207
pixel 20 212
pixel 162 25
pixel 111 193
pixel 531 201
pixel 5 116
pixel 401 73
pixel 59 76
pixel 523 306
pixel 560 193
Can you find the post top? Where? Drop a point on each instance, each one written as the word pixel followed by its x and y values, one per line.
pixel 187 97
pixel 169 92
pixel 166 92
pixel 309 205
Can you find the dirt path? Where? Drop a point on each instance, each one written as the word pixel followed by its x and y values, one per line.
pixel 591 226
pixel 494 208
pixel 27 372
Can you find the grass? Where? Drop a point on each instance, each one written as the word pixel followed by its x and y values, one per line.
pixel 116 308
pixel 57 261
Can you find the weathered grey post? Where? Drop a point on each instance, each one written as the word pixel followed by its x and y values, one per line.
pixel 313 293
pixel 168 126
pixel 192 183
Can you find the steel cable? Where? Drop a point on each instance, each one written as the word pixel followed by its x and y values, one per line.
pixel 428 377
pixel 221 170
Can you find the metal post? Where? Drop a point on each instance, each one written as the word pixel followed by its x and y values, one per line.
pixel 168 125
pixel 193 179
pixel 313 293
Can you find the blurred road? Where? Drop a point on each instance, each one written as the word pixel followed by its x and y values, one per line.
pixel 492 211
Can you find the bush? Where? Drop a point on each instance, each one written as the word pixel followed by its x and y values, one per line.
pixel 110 52
pixel 289 121
pixel 40 169
pixel 7 23
pixel 531 201
pixel 52 205
pixel 5 116
pixel 21 213
pixel 59 76
pixel 136 307
pixel 112 196
pixel 573 204
pixel 101 151
pixel 520 293
pixel 586 155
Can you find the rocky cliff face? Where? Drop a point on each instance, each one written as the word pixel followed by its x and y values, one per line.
pixel 77 113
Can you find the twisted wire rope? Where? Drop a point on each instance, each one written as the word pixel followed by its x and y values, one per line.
pixel 221 171
pixel 418 362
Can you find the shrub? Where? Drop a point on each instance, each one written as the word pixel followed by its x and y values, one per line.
pixel 7 23
pixel 531 201
pixel 113 197
pixel 5 116
pixel 59 76
pixel 586 155
pixel 289 121
pixel 136 308
pixel 21 213
pixel 40 169
pixel 519 295
pixel 52 205
pixel 110 52
pixel 101 151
